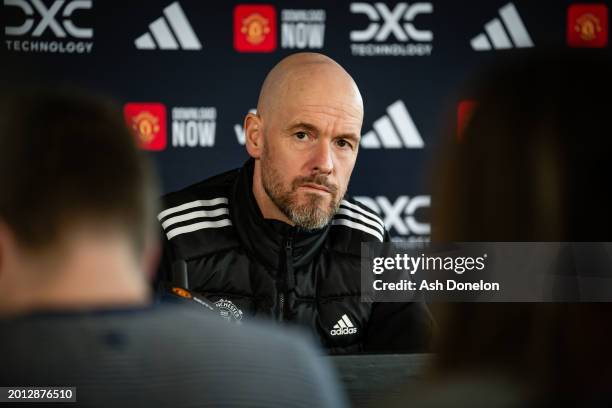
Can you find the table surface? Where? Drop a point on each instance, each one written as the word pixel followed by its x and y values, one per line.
pixel 368 377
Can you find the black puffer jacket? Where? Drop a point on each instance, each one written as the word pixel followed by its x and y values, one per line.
pixel 250 266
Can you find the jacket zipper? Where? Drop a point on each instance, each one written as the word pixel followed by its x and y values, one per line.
pixel 288 271
pixel 281 302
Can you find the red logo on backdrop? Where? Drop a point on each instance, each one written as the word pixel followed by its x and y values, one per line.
pixel 464 114
pixel 148 121
pixel 587 25
pixel 255 28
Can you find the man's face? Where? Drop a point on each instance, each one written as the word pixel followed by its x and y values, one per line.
pixel 309 153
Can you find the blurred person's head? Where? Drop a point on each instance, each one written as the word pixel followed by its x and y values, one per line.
pixel 532 165
pixel 76 205
pixel 304 139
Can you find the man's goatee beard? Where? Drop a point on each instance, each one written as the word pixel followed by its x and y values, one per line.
pixel 308 216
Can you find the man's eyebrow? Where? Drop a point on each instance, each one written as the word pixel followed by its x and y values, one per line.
pixel 351 136
pixel 303 125
pixel 312 128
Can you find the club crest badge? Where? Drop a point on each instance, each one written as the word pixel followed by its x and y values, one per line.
pixel 228 310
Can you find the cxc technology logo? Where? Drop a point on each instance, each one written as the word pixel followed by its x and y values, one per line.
pixel 255 28
pixel 402 217
pixel 497 34
pixel 60 25
pixel 387 136
pixel 587 25
pixel 386 22
pixel 161 37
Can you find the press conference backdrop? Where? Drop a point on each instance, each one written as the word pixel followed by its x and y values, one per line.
pixel 187 72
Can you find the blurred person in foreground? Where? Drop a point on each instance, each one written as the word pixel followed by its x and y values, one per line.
pixel 279 237
pixel 77 240
pixel 533 164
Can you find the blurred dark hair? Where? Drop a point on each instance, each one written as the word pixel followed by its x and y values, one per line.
pixel 68 158
pixel 534 159
pixel 533 165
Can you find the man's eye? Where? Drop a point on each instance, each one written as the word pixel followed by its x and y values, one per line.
pixel 301 135
pixel 343 143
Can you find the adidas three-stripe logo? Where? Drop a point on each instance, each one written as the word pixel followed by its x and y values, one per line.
pixel 385 132
pixel 495 31
pixel 194 216
pixel 353 216
pixel 162 33
pixel 343 327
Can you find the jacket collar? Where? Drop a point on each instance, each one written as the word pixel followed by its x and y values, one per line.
pixel 265 239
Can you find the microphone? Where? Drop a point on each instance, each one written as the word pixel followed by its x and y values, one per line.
pixel 177 290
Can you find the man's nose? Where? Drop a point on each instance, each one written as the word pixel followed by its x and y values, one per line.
pixel 322 159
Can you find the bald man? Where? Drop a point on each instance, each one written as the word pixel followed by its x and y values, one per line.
pixel 277 237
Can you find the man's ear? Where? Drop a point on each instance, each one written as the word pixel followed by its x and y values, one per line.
pixel 253 134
